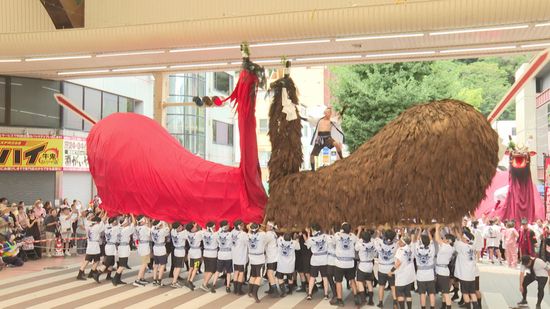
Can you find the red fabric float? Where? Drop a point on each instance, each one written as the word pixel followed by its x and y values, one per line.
pixel 140 168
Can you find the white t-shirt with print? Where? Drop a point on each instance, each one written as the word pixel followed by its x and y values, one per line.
pixel 286 260
pixel 404 275
pixel 256 248
pixel 210 244
pixel 345 250
pixel 158 235
pixel 93 231
pixel 318 245
pixel 143 233
pixel 271 247
pixel 366 252
pixel 239 249
pixel 444 255
pixel 386 255
pixel 465 267
pixel 111 238
pixel 178 240
pixel 194 239
pixel 124 240
pixel 424 256
pixel 224 245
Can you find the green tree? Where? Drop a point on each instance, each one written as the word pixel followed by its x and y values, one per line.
pixel 371 95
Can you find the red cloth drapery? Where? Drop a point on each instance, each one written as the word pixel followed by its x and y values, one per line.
pixel 140 168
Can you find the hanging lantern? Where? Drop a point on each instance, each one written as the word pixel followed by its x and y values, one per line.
pixel 217 101
pixel 197 101
pixel 207 101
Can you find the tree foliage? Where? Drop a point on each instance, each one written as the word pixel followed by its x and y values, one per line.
pixel 371 95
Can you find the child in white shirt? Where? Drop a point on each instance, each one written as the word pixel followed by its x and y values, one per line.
pixel 286 262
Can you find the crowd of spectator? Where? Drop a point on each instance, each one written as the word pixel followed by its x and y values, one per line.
pixel 42 230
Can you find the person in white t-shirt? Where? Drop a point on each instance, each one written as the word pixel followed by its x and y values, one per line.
pixel 479 239
pixel 239 254
pixel 465 265
pixel 345 265
pixel 112 231
pixel 533 269
pixel 271 257
pixel 210 255
pixel 94 229
pixel 194 239
pixel 257 241
pixel 492 238
pixel 127 229
pixel 366 251
pixel 224 262
pixel 143 238
pixel 424 254
pixel 404 272
pixel 66 220
pixel 286 261
pixel 159 232
pixel 178 240
pixel 317 242
pixel 386 247
pixel 445 251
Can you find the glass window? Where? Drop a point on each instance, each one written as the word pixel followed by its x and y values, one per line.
pixel 92 105
pixel 123 104
pixel 264 126
pixel 222 82
pixel 2 100
pixel 110 104
pixel 33 104
pixel 222 133
pixel 75 93
pixel 174 124
pixel 132 105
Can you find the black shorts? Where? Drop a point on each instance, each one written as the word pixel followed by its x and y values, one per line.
pixel 92 257
pixel 426 287
pixel 179 261
pixel 272 266
pixel 123 262
pixel 443 284
pixel 109 260
pixel 315 271
pixel 330 270
pixel 239 268
pixel 225 266
pixel 403 291
pixel 281 276
pixel 195 263
pixel 493 247
pixel 323 140
pixel 160 259
pixel 384 278
pixel 256 270
pixel 340 273
pixel 210 264
pixel 102 249
pixel 363 276
pixel 467 287
pixel 477 283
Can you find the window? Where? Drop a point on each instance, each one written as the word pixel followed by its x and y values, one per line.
pixel 122 104
pixel 2 100
pixel 33 104
pixel 76 94
pixel 263 157
pixel 92 105
pixel 222 133
pixel 110 104
pixel 223 82
pixel 264 126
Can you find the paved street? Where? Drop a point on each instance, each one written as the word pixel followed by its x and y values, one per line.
pixel 57 288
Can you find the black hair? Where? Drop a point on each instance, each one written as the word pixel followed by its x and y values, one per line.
pixel 237 223
pixel 224 223
pixel 254 226
pixel 287 237
pixel 210 224
pixel 140 217
pixel 175 225
pixel 366 235
pixel 425 240
pixel 475 223
pixel 189 226
pixel 451 238
pixel 155 222
pixel 525 260
pixel 315 227
pixel 346 227
pixel 389 234
pixel 112 219
pixel 96 219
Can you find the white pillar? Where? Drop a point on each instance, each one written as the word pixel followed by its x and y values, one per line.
pixel 526 118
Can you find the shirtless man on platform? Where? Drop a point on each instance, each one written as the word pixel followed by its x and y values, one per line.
pixel 322 137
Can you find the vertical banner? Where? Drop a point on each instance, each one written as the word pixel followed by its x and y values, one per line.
pixel 546 183
pixel 75 157
pixel 30 153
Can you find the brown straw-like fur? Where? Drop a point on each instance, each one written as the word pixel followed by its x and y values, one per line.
pixel 286 145
pixel 434 161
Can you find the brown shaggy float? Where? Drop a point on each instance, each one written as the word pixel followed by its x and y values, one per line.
pixel 434 161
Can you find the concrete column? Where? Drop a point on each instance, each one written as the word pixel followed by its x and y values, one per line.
pixel 160 95
pixel 526 118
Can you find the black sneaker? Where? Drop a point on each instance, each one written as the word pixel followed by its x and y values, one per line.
pixel 523 302
pixel 227 289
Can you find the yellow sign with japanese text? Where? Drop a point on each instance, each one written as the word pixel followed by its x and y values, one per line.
pixel 33 152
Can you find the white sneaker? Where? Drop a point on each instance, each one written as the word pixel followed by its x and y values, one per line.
pixel 67 253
